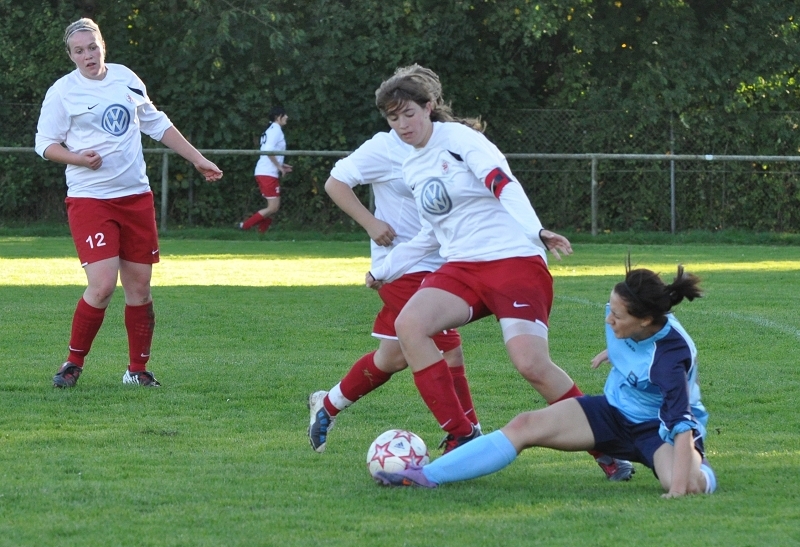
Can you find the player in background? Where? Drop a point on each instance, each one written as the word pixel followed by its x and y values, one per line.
pixel 268 170
pixel 379 162
pixel 478 217
pixel 650 411
pixel 92 120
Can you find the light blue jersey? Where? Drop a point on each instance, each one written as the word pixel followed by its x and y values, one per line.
pixel 656 378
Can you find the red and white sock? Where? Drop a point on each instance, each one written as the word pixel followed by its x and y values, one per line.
pixel 86 322
pixel 362 378
pixel 140 321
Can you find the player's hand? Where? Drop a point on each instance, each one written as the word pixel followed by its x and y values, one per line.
pixel 91 159
pixel 600 358
pixel 381 233
pixel 555 243
pixel 285 168
pixel 210 171
pixel 372 283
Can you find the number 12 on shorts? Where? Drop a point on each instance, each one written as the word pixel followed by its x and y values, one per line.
pixel 96 240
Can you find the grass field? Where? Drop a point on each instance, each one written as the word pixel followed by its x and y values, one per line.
pixel 246 329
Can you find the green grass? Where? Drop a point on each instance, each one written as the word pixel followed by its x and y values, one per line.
pixel 247 328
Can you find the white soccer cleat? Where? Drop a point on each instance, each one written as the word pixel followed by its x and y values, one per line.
pixel 321 422
pixel 144 378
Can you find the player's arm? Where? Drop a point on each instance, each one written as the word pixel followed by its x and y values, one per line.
pixel 272 144
pixel 678 424
pixel 682 462
pixel 177 142
pixel 405 255
pixel 87 158
pixel 51 132
pixel 344 197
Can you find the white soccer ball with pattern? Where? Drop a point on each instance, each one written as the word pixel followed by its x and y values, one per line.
pixel 395 450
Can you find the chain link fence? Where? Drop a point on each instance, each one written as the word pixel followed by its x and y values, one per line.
pixel 584 171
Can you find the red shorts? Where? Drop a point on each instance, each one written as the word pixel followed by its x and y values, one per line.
pixel 394 296
pixel 123 227
pixel 270 186
pixel 520 287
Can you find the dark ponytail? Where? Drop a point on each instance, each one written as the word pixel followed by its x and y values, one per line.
pixel 646 295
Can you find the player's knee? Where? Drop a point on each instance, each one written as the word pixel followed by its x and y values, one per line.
pixel 534 369
pixel 406 327
pixel 390 360
pixel 521 430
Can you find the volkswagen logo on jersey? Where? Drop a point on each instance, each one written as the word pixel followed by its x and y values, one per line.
pixel 435 199
pixel 116 119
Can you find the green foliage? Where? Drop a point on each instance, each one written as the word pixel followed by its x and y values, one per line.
pixel 706 70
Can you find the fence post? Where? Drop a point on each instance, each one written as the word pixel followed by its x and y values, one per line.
pixel 672 177
pixel 594 195
pixel 164 190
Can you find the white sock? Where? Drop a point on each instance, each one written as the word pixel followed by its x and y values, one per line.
pixel 337 399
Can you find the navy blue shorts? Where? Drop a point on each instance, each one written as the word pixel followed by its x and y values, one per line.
pixel 620 438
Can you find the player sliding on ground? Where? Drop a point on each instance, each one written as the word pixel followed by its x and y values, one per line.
pixel 650 411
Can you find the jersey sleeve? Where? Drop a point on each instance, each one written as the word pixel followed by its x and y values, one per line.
pixel 370 163
pixel 152 122
pixel 404 256
pixel 669 373
pixel 53 122
pixel 485 161
pixel 516 202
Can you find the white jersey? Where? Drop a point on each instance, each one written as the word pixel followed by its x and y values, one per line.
pixel 379 162
pixel 461 215
pixel 272 139
pixel 107 116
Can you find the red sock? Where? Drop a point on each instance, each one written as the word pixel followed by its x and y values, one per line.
pixel 362 378
pixel 85 323
pixel 436 387
pixel 462 392
pixel 572 392
pixel 252 221
pixel 139 322
pixel 263 226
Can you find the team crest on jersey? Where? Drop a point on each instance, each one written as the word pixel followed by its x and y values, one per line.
pixel 116 119
pixel 435 199
pixel 445 167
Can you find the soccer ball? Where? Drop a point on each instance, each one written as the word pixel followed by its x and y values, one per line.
pixel 395 450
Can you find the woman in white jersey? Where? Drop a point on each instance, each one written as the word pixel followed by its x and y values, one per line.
pixel 650 411
pixel 480 220
pixel 268 171
pixel 379 162
pixel 92 120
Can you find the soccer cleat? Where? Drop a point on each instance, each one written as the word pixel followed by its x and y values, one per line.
pixel 411 476
pixel 450 443
pixel 240 225
pixel 615 470
pixel 143 378
pixel 67 375
pixel 321 421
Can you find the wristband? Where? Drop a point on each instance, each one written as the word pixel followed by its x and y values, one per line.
pixel 540 239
